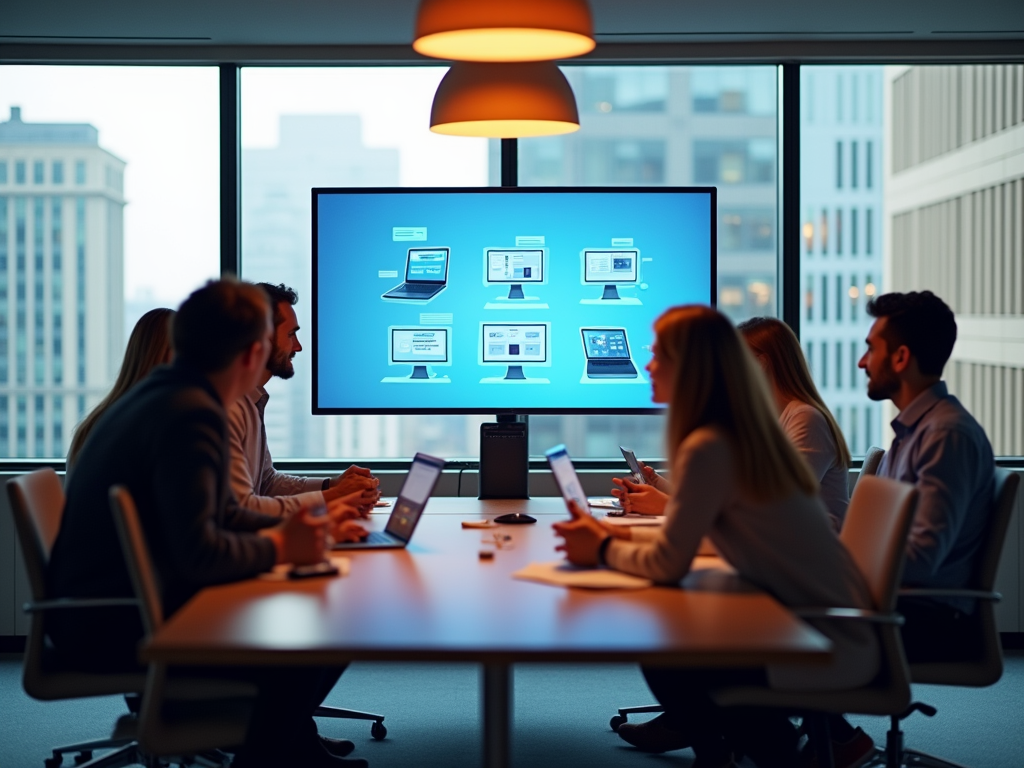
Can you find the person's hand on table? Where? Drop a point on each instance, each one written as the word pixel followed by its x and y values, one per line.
pixel 350 507
pixel 349 530
pixel 623 532
pixel 301 539
pixel 583 536
pixel 639 499
pixel 366 486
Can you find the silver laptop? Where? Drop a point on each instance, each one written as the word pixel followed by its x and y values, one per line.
pixel 607 351
pixel 412 499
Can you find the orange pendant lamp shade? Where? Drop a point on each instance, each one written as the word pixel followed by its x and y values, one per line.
pixel 504 30
pixel 504 101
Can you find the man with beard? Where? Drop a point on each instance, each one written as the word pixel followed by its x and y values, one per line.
pixel 254 480
pixel 941 449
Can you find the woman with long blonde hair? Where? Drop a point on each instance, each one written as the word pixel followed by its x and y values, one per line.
pixel 739 481
pixel 802 413
pixel 148 346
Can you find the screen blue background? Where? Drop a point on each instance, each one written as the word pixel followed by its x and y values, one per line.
pixel 353 241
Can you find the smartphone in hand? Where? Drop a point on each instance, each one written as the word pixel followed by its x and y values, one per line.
pixel 634 465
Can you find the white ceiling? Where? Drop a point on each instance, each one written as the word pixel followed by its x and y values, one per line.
pixel 334 23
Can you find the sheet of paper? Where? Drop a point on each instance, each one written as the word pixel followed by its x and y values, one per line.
pixel 604 502
pixel 563 574
pixel 280 572
pixel 633 519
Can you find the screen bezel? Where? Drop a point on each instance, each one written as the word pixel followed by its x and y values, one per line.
pixel 315 192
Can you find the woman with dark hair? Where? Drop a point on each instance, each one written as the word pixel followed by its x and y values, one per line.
pixel 739 481
pixel 148 346
pixel 803 415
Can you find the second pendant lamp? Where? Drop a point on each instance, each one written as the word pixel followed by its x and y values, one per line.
pixel 504 101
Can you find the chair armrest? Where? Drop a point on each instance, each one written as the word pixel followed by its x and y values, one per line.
pixel 857 614
pixel 978 594
pixel 71 602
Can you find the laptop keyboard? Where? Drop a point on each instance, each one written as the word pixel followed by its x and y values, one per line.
pixel 376 537
pixel 408 288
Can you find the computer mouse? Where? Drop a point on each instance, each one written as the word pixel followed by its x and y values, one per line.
pixel 515 518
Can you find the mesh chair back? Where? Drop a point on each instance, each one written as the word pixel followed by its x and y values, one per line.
pixel 1003 498
pixel 136 555
pixel 875 534
pixel 37 503
pixel 871 461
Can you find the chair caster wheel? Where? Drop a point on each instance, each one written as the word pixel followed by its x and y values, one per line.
pixel 378 731
pixel 83 757
pixel 616 721
pixel 53 762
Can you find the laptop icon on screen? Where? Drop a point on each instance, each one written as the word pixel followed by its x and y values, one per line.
pixel 607 351
pixel 426 275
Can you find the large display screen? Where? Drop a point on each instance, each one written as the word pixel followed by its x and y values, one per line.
pixel 500 300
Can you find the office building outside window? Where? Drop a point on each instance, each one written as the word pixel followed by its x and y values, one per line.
pixel 939 209
pixel 78 265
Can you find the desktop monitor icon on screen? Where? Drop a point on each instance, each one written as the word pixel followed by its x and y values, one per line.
pixel 515 267
pixel 613 268
pixel 422 348
pixel 514 346
pixel 426 275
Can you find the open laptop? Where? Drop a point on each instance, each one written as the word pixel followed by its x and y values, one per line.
pixel 412 499
pixel 426 275
pixel 607 351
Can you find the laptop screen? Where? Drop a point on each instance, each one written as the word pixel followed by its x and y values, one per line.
pixel 565 476
pixel 605 343
pixel 427 265
pixel 412 499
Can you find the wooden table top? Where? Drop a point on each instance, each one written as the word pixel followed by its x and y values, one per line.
pixel 436 600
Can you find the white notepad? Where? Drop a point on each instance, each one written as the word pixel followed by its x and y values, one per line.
pixel 561 573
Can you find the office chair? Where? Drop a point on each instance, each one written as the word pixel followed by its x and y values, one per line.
pixel 872 459
pixel 210 714
pixel 37 504
pixel 874 533
pixel 986 667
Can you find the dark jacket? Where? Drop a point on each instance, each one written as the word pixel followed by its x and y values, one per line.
pixel 166 441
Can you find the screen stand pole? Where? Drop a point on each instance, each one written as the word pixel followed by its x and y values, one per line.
pixel 611 293
pixel 419 372
pixel 514 372
pixel 516 292
pixel 505 458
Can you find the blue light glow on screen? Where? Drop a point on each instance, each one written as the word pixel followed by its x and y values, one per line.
pixel 380 261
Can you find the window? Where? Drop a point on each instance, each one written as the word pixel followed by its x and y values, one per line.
pixel 853 231
pixel 839 365
pixel 839 232
pixel 839 165
pixel 823 228
pixel 839 298
pixel 3 171
pixel 956 238
pixel 714 126
pixel 78 266
pixel 371 131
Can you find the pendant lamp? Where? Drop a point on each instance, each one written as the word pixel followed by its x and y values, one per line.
pixel 504 101
pixel 504 30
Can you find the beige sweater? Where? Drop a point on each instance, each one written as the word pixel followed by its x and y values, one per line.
pixel 787 548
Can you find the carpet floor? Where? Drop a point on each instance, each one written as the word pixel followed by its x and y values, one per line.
pixel 561 718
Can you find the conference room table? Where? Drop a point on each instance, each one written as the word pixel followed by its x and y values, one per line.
pixel 438 600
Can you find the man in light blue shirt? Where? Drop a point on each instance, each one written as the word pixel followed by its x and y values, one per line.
pixel 940 448
pixel 938 445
